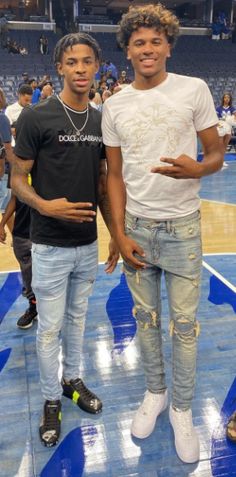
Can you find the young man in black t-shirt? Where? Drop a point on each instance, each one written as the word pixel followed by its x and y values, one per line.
pixel 59 142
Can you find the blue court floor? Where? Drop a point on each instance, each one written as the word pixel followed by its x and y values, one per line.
pixel 102 446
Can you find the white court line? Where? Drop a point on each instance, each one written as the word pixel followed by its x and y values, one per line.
pixel 212 254
pixel 218 202
pixel 10 271
pixel 219 276
pixel 208 267
pixel 18 270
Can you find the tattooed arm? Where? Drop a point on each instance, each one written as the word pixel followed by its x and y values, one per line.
pixel 56 208
pixel 19 183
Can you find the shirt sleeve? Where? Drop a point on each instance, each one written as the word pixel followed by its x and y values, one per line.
pixel 5 128
pixel 27 135
pixel 110 136
pixel 205 114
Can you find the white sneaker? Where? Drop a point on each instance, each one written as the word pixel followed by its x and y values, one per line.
pixel 145 418
pixel 186 438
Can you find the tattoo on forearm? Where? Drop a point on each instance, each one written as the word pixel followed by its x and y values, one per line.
pixel 19 182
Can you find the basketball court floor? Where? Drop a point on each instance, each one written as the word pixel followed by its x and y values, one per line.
pixel 102 446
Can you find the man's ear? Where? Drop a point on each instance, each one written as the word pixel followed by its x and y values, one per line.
pixel 97 66
pixel 127 53
pixel 169 52
pixel 59 69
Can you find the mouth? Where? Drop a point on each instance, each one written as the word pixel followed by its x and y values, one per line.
pixel 148 62
pixel 81 82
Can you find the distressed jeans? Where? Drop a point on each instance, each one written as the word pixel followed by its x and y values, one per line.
pixel 174 248
pixel 62 282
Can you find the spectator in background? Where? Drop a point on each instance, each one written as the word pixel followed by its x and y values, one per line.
pixel 92 95
pixel 23 50
pixel 22 250
pixel 109 66
pixel 6 157
pixel 98 101
pixel 110 81
pixel 45 80
pixel 102 86
pixel 25 79
pixel 225 113
pixel 36 91
pixel 226 107
pixel 13 111
pixel 47 91
pixel 43 45
pixel 106 94
pixel 123 80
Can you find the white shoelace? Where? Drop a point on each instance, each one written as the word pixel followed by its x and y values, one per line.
pixel 184 422
pixel 149 400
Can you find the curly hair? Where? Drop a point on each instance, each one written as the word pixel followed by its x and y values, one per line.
pixel 148 16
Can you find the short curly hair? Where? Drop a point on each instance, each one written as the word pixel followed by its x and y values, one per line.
pixel 78 38
pixel 148 16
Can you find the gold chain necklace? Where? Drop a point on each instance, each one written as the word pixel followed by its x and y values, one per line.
pixel 78 131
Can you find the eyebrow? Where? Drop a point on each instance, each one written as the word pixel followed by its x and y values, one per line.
pixel 151 39
pixel 83 58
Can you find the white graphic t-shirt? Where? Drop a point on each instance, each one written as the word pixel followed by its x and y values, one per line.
pixel 150 124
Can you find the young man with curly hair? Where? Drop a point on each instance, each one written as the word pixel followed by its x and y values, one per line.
pixel 150 131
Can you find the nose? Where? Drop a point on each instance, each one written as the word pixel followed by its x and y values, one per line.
pixel 80 67
pixel 148 48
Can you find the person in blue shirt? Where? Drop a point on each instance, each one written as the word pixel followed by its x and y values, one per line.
pixel 226 108
pixel 225 112
pixel 36 91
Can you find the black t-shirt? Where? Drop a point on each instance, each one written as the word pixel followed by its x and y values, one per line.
pixel 64 166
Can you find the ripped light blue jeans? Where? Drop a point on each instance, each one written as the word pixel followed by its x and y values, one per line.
pixel 62 282
pixel 173 247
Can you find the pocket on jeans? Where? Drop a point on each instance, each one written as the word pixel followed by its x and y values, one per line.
pixel 42 249
pixel 188 230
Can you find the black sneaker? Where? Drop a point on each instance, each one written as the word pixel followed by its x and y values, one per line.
pixel 26 320
pixel 50 427
pixel 82 396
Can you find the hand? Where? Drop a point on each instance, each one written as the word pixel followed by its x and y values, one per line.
pixel 128 247
pixel 3 234
pixel 184 167
pixel 113 257
pixel 62 209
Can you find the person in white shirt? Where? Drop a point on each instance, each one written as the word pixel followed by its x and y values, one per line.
pixel 13 110
pixel 150 130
